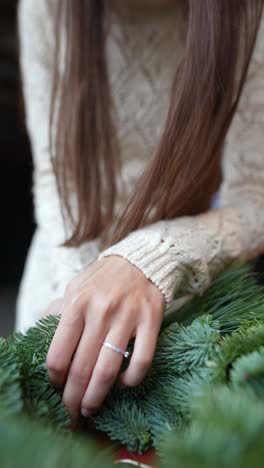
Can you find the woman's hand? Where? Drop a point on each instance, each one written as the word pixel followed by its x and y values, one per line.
pixel 111 300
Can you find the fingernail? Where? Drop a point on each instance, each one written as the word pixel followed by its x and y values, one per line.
pixel 86 413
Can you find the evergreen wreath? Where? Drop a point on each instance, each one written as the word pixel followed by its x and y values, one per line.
pixel 200 404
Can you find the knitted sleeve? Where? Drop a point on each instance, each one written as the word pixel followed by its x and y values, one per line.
pixel 183 255
pixel 36 41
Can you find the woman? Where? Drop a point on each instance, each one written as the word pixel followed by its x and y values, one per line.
pixel 130 110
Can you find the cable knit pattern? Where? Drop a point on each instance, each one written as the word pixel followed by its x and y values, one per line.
pixel 183 255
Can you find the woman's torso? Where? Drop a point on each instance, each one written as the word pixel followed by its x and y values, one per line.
pixel 143 52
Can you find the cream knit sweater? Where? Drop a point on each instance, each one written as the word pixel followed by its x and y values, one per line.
pixel 183 255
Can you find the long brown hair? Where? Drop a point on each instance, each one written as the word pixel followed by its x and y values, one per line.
pixel 185 169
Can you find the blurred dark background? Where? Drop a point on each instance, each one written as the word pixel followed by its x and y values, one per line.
pixel 16 170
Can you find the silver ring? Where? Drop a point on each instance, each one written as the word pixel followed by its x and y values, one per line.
pixel 115 348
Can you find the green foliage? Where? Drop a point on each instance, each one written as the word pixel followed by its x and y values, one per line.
pixel 214 339
pixel 32 347
pixel 39 397
pixel 11 401
pixel 123 420
pixel 183 348
pixel 24 443
pixel 239 343
pixel 162 416
pixel 233 298
pixel 227 431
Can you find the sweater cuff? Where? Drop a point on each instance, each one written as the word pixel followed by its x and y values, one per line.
pixel 154 258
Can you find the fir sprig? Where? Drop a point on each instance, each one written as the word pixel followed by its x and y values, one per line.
pixel 11 401
pixel 227 431
pixel 233 298
pixel 125 421
pixel 246 340
pixel 25 443
pixel 217 338
pixel 248 373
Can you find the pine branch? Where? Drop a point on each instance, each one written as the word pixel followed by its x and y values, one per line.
pixel 161 416
pixel 184 348
pixel 11 401
pixel 248 373
pixel 227 431
pixel 40 398
pixel 24 443
pixel 125 421
pixel 241 342
pixel 234 297
pixel 220 339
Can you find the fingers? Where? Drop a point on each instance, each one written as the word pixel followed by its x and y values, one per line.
pixel 82 366
pixel 94 311
pixel 142 356
pixel 106 369
pixel 63 345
